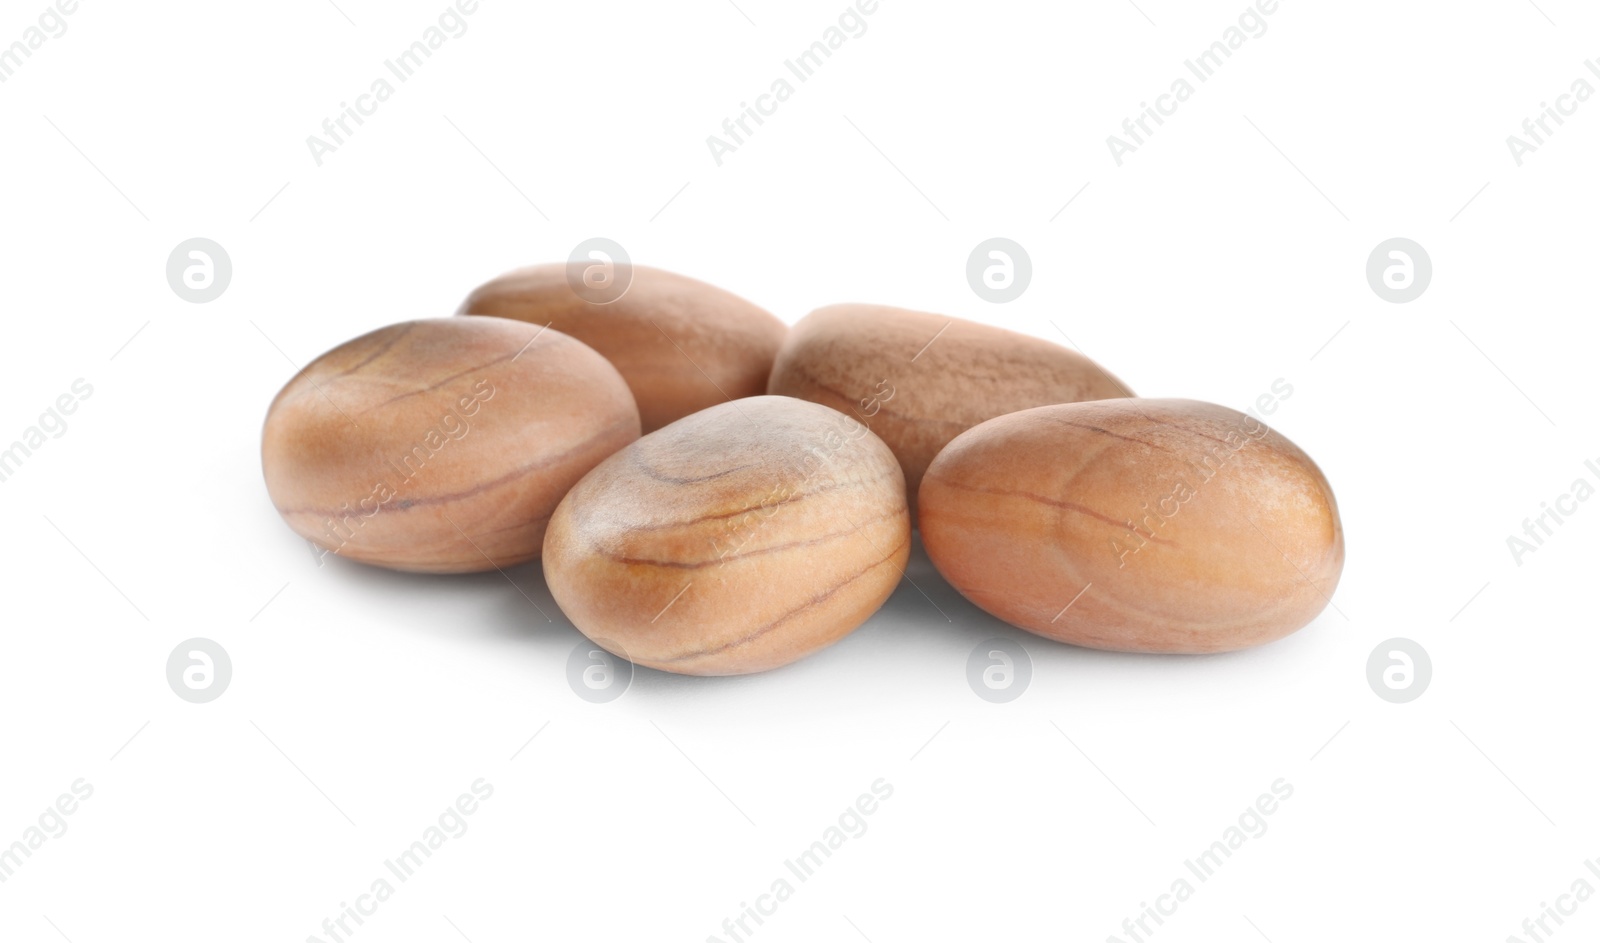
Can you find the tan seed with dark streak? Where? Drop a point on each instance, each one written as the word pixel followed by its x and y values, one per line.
pixel 738 539
pixel 1135 525
pixel 918 380
pixel 441 446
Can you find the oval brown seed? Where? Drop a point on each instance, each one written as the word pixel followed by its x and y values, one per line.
pixel 1135 525
pixel 443 445
pixel 918 380
pixel 681 344
pixel 741 538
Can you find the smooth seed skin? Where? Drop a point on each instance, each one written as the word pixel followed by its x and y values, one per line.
pixel 681 344
pixel 738 539
pixel 441 446
pixel 1195 527
pixel 918 380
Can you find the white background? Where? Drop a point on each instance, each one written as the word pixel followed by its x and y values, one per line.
pixel 1207 266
